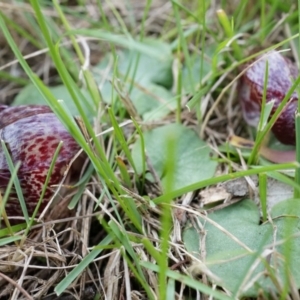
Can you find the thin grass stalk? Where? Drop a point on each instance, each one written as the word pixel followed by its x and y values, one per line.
pixel 171 289
pixel 135 267
pixel 244 278
pixel 115 76
pixel 198 185
pixel 187 11
pixel 273 7
pixel 89 79
pixel 136 275
pixel 4 199
pixel 188 280
pixel 103 15
pixel 136 64
pixel 166 225
pixel 263 183
pixel 254 153
pixel 17 184
pixel 118 16
pixel 179 87
pixel 151 249
pixel 228 29
pixel 166 220
pixel 297 124
pixel 145 14
pixel 124 172
pixel 239 13
pixel 203 35
pixel 121 138
pixel 262 20
pixel 247 58
pixel 275 116
pixel 66 282
pixel 8 240
pixel 66 54
pixel 106 26
pixel 143 153
pixel 81 184
pixel 7 76
pixel 182 43
pixel 297 171
pixel 21 31
pixel 284 179
pixel 142 34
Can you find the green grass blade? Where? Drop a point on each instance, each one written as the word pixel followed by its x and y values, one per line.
pixel 9 240
pixel 17 185
pixel 66 282
pixel 121 138
pixel 262 178
pixel 189 281
pixel 297 123
pixel 195 186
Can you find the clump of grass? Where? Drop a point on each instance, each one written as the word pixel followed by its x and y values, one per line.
pixel 125 237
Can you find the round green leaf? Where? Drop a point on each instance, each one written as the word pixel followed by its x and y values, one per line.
pixel 191 161
pixel 234 265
